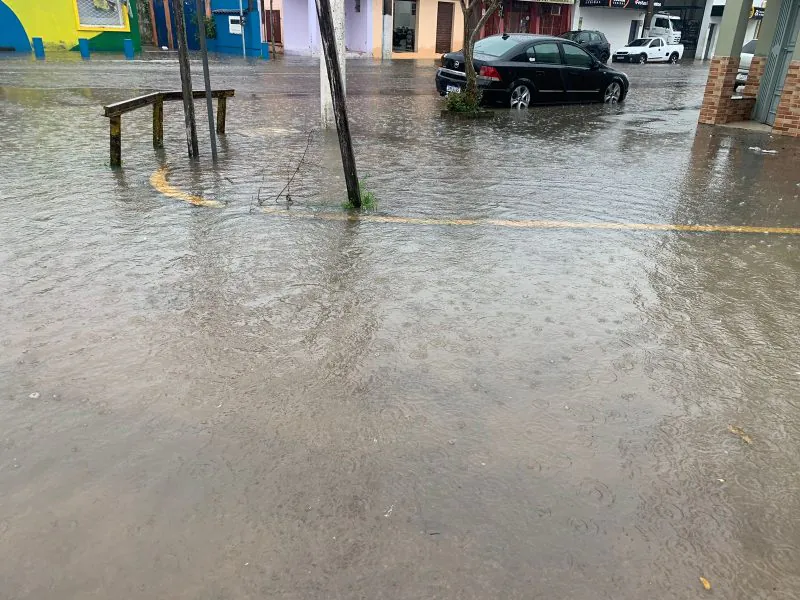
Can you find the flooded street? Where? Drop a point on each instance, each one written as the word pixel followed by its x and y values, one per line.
pixel 255 401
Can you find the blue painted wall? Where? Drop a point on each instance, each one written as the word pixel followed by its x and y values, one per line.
pixel 12 33
pixel 229 43
pixel 190 12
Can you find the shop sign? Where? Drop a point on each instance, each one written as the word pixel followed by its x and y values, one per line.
pixel 637 4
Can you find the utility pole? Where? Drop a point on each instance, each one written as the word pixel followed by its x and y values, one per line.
pixel 241 26
pixel 328 35
pixel 201 27
pixel 648 16
pixel 186 79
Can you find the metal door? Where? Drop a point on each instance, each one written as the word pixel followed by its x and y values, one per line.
pixel 444 27
pixel 780 55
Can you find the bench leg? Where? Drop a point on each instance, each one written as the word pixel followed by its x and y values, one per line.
pixel 158 124
pixel 116 141
pixel 222 107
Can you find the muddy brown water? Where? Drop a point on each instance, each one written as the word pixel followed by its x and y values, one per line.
pixel 219 403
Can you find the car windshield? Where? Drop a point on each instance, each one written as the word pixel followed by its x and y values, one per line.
pixel 496 45
pixel 749 47
pixel 640 42
pixel 570 35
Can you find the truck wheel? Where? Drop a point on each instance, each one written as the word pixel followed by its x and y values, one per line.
pixel 674 58
pixel 642 59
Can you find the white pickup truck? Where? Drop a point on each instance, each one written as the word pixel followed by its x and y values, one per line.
pixel 649 49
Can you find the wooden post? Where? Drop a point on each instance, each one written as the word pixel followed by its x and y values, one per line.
pixel 168 20
pixel 186 80
pixel 207 79
pixel 116 140
pixel 328 36
pixel 158 123
pixel 222 109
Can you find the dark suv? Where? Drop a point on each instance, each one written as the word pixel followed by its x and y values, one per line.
pixel 594 42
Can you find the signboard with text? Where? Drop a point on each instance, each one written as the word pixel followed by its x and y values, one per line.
pixel 637 4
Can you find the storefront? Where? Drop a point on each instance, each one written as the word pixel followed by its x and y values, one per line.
pixel 523 16
pixel 620 20
pixel 425 28
pixel 61 23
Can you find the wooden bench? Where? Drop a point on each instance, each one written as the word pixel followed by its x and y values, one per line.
pixel 115 111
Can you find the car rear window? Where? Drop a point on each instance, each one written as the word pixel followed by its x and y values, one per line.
pixel 496 45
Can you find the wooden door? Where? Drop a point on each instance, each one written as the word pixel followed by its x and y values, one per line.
pixel 444 27
pixel 275 15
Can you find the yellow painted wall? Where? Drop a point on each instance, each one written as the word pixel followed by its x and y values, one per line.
pixel 377 28
pixel 426 30
pixel 54 21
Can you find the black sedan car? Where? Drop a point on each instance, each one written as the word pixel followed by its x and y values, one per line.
pixel 524 69
pixel 594 42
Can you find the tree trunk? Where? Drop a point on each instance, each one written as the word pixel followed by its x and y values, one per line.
pixel 469 67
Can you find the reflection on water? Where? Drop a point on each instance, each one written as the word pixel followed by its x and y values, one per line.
pixel 217 403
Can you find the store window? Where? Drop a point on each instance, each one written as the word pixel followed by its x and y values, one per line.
pixel 102 14
pixel 404 36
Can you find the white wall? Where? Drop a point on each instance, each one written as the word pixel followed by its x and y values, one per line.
pixel 749 33
pixel 615 23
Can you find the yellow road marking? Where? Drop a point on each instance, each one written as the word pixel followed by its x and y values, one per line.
pixel 159 181
pixel 531 223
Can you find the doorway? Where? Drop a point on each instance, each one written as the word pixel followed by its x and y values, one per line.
pixel 404 35
pixel 709 41
pixel 444 27
pixel 633 33
pixel 771 88
pixel 275 17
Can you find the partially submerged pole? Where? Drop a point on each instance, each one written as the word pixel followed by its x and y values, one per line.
pixel 241 28
pixel 339 105
pixel 207 81
pixel 186 79
pixel 325 97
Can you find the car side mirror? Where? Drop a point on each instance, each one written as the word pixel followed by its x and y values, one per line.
pixel 595 65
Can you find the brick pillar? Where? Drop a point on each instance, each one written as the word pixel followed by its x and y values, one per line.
pixel 754 76
pixel 719 90
pixel 787 118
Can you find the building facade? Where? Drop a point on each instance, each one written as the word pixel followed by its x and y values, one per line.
pixel 546 17
pixel 712 18
pixel 620 20
pixel 61 23
pixel 772 93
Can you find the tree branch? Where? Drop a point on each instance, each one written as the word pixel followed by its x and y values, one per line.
pixel 493 6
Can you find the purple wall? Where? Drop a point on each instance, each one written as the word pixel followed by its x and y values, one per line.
pixel 296 18
pixel 358 30
pixel 301 31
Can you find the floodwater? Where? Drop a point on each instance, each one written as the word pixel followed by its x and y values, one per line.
pixel 227 403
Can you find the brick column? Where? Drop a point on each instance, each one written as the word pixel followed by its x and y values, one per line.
pixel 717 102
pixel 787 118
pixel 754 76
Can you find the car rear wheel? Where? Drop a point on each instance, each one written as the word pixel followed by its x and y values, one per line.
pixel 642 59
pixel 520 96
pixel 673 58
pixel 613 93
